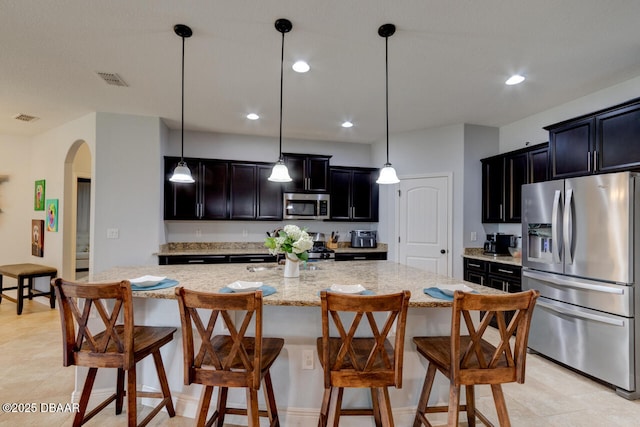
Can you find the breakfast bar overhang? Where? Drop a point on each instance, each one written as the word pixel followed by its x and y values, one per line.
pixel 293 313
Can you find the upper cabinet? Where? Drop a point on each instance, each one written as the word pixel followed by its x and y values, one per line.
pixel 354 194
pixel 309 173
pixel 206 198
pixel 502 180
pixel 601 142
pixel 222 190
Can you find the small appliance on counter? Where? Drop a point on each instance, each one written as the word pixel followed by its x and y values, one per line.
pixel 499 244
pixel 320 251
pixel 364 239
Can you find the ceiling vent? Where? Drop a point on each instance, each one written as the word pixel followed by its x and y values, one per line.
pixel 112 79
pixel 25 118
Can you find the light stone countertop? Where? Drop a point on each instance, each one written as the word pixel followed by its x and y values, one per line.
pixel 381 277
pixel 477 253
pixel 248 248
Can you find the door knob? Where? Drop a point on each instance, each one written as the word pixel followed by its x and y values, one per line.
pixel 442 251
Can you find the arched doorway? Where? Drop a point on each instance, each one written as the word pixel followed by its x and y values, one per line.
pixel 77 216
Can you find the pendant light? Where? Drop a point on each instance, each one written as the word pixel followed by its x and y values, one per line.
pixel 182 173
pixel 387 173
pixel 280 173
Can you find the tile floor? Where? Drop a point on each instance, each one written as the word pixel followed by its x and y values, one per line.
pixel 31 371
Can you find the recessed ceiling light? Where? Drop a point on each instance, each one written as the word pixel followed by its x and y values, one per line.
pixel 514 80
pixel 347 124
pixel 300 67
pixel 253 116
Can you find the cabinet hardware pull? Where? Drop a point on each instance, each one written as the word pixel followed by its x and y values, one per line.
pixel 595 160
pixel 505 271
pixel 482 281
pixel 473 265
pixel 359 257
pixel 195 261
pixel 501 217
pixel 588 162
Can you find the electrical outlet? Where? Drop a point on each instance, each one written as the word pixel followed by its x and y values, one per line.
pixel 198 233
pixel 113 233
pixel 307 359
pixel 474 236
pixel 245 233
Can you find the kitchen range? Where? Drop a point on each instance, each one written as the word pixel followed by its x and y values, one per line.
pixel 579 249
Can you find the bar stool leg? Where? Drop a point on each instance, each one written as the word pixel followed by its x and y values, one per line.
pixel 20 295
pixel 52 294
pixel 30 288
pixel 0 288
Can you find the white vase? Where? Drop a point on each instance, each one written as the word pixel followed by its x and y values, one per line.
pixel 291 265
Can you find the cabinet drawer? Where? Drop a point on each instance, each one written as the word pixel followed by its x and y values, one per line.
pixel 252 258
pixel 357 256
pixel 192 259
pixel 475 265
pixel 505 270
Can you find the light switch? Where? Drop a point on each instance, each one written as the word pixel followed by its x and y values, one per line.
pixel 474 236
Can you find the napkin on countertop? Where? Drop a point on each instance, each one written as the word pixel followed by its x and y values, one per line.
pixel 365 292
pixel 166 283
pixel 437 293
pixel 266 290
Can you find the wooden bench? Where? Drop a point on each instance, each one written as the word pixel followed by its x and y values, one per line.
pixel 27 271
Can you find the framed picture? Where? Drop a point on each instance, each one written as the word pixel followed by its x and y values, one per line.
pixel 38 195
pixel 37 237
pixel 52 214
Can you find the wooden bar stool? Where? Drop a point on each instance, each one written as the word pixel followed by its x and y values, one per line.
pixel 118 345
pixel 368 361
pixel 27 271
pixel 227 360
pixel 469 359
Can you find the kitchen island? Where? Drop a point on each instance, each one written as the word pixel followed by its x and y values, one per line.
pixel 293 313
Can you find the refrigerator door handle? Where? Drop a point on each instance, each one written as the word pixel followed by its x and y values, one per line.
pixel 580 315
pixel 555 251
pixel 573 284
pixel 567 225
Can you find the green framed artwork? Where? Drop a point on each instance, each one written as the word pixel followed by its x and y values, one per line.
pixel 52 214
pixel 38 195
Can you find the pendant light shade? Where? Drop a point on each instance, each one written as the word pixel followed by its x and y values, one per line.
pixel 182 173
pixel 387 173
pixel 280 173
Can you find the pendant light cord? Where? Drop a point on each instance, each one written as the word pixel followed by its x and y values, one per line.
pixel 281 158
pixel 386 78
pixel 182 100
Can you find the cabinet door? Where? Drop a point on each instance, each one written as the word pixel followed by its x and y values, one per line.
pixel 296 166
pixel 180 199
pixel 493 189
pixel 214 182
pixel 539 165
pixel 618 139
pixel 317 174
pixel 571 146
pixel 340 208
pixel 515 177
pixel 364 196
pixel 242 199
pixel 269 195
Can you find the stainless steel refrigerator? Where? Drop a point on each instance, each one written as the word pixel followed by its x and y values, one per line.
pixel 579 249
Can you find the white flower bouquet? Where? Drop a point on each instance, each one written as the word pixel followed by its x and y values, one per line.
pixel 290 240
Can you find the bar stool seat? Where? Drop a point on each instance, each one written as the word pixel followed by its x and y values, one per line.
pixel 28 271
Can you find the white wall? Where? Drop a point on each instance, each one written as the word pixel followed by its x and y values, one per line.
pixel 16 200
pixel 128 188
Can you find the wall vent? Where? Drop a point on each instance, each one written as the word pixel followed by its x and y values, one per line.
pixel 112 79
pixel 25 118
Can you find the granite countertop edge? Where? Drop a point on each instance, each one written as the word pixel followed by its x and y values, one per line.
pixel 477 253
pixel 248 249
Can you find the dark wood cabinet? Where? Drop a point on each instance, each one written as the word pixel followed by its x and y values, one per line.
pixel 601 142
pixel 206 198
pixel 252 195
pixel 502 180
pixel 496 275
pixel 361 256
pixel 309 173
pixel 354 194
pixel 571 148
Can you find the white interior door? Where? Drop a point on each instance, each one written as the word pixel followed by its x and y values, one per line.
pixel 424 223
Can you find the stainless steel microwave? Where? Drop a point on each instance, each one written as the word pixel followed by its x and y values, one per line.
pixel 305 206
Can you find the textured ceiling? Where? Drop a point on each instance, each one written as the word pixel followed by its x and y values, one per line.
pixel 448 61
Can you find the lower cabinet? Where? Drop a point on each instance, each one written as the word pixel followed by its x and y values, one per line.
pixel 496 275
pixel 359 256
